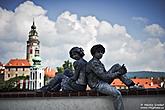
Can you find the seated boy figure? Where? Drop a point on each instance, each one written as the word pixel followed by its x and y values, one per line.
pixel 98 78
pixel 78 81
pixel 70 81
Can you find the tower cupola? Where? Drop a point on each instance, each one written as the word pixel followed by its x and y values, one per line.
pixel 33 26
pixel 33 31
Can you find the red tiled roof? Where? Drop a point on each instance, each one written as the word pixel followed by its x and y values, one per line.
pixel 18 62
pixel 144 82
pixel 49 72
pixel 117 82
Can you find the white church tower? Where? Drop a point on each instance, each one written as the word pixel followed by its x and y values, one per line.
pixel 36 78
pixel 33 44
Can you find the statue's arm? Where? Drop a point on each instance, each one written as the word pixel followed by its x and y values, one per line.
pixel 101 73
pixel 77 68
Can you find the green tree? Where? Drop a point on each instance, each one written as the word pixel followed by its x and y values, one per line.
pixel 60 69
pixel 66 65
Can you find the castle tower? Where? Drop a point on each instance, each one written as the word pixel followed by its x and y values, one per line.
pixel 33 44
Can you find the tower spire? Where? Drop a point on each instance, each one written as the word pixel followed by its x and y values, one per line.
pixel 33 20
pixel 33 26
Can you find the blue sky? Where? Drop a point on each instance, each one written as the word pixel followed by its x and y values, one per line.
pixel 137 25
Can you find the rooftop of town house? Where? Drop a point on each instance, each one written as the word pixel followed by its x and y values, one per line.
pixel 49 72
pixel 17 62
pixel 146 83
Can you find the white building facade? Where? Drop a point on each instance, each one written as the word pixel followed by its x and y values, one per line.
pixel 36 79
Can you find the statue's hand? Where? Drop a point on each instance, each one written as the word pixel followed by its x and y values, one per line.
pixel 71 81
pixel 122 70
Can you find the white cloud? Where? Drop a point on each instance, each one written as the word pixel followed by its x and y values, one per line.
pixel 58 37
pixel 155 30
pixel 140 19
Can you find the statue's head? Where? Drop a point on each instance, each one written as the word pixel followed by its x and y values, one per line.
pixel 97 49
pixel 76 51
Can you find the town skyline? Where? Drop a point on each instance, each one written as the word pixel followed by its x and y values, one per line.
pixel 69 27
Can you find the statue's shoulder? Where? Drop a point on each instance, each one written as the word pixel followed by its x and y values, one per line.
pixel 94 62
pixel 80 62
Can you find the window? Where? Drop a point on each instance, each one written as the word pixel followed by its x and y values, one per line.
pixel 16 75
pixel 40 84
pixel 37 52
pixel 31 51
pixel 36 75
pixel 23 69
pixel 33 85
pixel 40 75
pixel 16 69
pixel 8 75
pixel 31 75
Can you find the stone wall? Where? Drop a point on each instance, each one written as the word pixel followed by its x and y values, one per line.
pixel 140 100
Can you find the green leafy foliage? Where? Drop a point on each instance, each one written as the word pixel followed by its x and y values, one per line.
pixel 10 85
pixel 67 65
